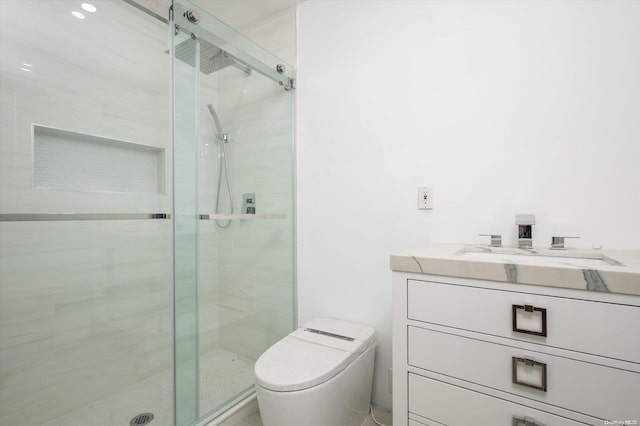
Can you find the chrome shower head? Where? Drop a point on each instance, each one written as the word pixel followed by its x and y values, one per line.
pixel 212 58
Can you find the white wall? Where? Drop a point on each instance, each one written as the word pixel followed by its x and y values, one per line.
pixel 276 33
pixel 503 107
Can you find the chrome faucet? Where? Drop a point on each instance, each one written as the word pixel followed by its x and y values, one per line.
pixel 496 240
pixel 525 224
pixel 557 243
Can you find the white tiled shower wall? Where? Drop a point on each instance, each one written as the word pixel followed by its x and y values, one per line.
pixel 256 262
pixel 86 306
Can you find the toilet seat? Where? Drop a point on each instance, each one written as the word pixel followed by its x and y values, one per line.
pixel 312 354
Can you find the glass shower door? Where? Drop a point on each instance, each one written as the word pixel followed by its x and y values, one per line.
pixel 131 281
pixel 185 81
pixel 234 179
pixel 86 335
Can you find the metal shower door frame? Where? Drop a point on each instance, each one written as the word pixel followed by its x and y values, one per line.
pixel 281 75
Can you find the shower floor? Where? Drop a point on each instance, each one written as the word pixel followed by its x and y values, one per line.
pixel 223 375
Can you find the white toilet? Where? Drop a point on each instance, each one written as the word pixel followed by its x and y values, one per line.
pixel 319 375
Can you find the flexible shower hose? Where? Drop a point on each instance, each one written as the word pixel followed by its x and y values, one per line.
pixel 223 156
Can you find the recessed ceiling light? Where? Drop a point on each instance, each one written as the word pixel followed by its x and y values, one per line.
pixel 88 7
pixel 77 14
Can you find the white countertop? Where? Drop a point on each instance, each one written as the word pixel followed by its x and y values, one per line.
pixel 612 271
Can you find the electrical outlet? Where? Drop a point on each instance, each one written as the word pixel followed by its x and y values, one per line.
pixel 425 198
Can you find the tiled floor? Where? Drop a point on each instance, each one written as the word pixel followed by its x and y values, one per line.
pixel 223 375
pixel 252 420
pixel 382 415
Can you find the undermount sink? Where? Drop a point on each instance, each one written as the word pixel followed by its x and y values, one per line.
pixel 542 259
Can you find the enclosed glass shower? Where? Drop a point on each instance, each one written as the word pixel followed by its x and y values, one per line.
pixel 146 212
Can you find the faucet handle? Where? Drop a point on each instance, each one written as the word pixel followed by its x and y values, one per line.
pixel 496 240
pixel 557 243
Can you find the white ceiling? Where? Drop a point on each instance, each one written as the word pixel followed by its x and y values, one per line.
pixel 241 14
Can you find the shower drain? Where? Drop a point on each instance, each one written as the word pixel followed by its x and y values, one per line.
pixel 141 419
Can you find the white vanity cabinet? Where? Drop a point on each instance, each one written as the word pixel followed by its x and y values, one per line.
pixel 478 352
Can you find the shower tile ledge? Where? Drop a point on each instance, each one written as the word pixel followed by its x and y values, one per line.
pixel 621 277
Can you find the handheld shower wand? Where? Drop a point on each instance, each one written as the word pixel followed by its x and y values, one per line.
pixel 223 138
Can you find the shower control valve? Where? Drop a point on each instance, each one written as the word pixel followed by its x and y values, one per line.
pixel 249 203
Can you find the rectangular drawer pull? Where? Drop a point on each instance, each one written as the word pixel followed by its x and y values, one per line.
pixel 525 421
pixel 539 366
pixel 529 308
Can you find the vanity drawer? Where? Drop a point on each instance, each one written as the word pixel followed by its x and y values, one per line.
pixel 591 389
pixel 597 328
pixel 442 402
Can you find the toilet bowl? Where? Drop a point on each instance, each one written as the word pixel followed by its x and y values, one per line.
pixel 319 375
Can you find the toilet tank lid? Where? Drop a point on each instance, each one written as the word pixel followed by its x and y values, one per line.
pixel 312 354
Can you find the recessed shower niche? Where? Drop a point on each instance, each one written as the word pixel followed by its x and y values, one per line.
pixel 73 161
